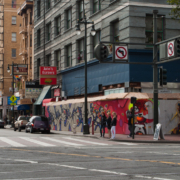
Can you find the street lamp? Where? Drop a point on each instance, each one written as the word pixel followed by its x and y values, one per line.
pixel 8 70
pixel 93 33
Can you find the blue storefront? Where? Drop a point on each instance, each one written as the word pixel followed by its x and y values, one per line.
pixel 112 74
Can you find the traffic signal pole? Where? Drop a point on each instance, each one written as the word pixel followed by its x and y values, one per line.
pixel 155 69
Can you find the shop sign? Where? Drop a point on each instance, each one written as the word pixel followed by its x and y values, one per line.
pixel 22 69
pixel 48 75
pixel 57 92
pixel 31 84
pixel 32 93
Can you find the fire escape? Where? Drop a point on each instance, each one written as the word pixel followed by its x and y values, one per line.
pixel 1 45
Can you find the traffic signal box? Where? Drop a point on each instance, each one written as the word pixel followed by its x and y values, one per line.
pixel 101 52
pixel 177 47
pixel 162 76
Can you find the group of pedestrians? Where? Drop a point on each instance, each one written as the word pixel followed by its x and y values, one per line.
pixel 108 122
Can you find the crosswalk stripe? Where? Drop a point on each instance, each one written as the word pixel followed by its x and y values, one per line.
pixel 90 142
pixel 129 144
pixel 63 142
pixel 11 142
pixel 37 142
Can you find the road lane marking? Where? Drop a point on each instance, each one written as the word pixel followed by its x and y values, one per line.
pixel 11 142
pixel 32 162
pixel 129 144
pixel 37 142
pixel 73 167
pixel 104 171
pixel 62 142
pixel 163 153
pixel 89 142
pixel 81 155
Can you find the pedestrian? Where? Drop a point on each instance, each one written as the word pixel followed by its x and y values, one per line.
pixel 103 123
pixel 113 125
pixel 109 119
pixel 130 116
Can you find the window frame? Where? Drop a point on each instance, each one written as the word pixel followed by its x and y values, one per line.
pixel 38 65
pixel 57 25
pixel 58 59
pixel 13 4
pixel 69 57
pixel 81 11
pixel 48 5
pixel 13 33
pixel 13 52
pixel 48 60
pixel 48 32
pixel 114 32
pixel 69 21
pixel 38 8
pixel 13 20
pixel 81 50
pixel 38 37
pixel 98 4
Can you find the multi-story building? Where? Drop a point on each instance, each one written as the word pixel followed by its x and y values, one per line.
pixel 26 30
pixel 11 41
pixel 57 44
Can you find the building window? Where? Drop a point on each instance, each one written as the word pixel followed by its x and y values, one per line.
pixel 149 28
pixel 13 53
pixel 38 66
pixel 57 25
pixel 30 62
pixel 58 59
pixel 31 40
pixel 69 19
pixel 48 4
pixel 13 36
pixel 115 31
pixel 48 60
pixel 38 37
pixel 48 32
pixel 96 6
pixel 69 55
pixel 13 22
pixel 38 8
pixel 81 50
pixel 81 10
pixel 13 3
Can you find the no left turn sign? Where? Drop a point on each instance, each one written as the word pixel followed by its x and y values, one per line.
pixel 121 53
pixel 170 49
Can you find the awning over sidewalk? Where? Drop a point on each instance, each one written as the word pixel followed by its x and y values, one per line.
pixel 46 93
pixel 22 107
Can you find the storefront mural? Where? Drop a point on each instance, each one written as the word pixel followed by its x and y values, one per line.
pixel 62 117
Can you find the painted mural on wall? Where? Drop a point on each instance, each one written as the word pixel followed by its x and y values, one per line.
pixel 63 117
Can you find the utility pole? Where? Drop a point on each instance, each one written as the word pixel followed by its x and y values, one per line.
pixel 155 69
pixel 13 90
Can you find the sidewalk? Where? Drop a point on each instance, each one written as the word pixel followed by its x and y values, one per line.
pixel 124 138
pixel 120 137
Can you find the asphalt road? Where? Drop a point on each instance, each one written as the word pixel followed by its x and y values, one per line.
pixel 54 157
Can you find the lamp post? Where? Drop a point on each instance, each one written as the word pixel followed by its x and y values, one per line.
pixel 8 70
pixel 93 33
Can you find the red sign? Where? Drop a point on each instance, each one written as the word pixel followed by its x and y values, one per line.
pixel 57 92
pixel 121 52
pixel 48 75
pixel 48 70
pixel 48 81
pixel 22 69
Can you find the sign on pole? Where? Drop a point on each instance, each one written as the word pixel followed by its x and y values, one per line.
pixel 170 49
pixel 12 100
pixel 120 53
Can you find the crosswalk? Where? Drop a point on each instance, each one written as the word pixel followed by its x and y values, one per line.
pixel 47 141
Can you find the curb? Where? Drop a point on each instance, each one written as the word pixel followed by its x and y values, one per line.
pixel 156 142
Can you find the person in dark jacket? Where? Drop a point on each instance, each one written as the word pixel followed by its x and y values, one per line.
pixel 130 116
pixel 103 123
pixel 113 125
pixel 109 119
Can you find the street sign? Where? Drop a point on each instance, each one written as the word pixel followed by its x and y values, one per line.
pixel 13 98
pixel 121 52
pixel 9 101
pixel 13 104
pixel 170 49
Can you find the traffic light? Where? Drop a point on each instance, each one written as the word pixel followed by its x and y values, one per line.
pixel 177 47
pixel 162 76
pixel 101 52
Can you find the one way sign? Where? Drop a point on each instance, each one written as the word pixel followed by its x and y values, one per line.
pixel 121 53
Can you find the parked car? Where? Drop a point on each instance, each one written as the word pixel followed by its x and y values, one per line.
pixel 21 122
pixel 1 123
pixel 38 124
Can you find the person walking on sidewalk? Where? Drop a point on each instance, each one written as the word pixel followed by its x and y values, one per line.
pixel 113 124
pixel 103 123
pixel 130 116
pixel 109 119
